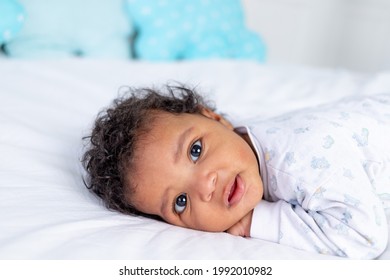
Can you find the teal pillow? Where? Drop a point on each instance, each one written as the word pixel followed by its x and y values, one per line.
pixel 63 28
pixel 182 29
pixel 11 19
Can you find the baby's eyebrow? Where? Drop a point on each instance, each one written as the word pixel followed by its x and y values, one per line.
pixel 180 143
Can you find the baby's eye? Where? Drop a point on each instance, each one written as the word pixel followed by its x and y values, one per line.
pixel 196 150
pixel 181 203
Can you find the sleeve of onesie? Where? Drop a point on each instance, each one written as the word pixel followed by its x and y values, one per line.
pixel 336 218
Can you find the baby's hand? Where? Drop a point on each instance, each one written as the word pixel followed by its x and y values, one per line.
pixel 242 227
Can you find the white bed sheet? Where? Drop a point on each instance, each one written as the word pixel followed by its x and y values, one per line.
pixel 47 106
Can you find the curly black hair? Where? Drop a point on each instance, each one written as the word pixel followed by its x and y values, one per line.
pixel 109 156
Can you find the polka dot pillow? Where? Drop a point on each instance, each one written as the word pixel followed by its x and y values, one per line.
pixel 65 28
pixel 182 29
pixel 11 19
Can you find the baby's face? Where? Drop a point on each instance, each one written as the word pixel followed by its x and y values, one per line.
pixel 194 171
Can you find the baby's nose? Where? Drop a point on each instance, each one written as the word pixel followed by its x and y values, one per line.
pixel 205 186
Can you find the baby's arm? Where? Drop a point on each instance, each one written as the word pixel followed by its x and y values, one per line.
pixel 327 221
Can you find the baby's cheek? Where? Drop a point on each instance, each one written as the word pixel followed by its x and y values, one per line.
pixel 216 222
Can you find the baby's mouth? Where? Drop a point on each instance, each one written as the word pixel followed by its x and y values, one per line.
pixel 236 191
pixel 232 190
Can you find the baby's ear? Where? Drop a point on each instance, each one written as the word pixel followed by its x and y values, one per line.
pixel 214 116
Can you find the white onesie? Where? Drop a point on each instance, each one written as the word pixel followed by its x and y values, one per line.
pixel 326 176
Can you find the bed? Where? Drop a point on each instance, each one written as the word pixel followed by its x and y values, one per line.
pixel 47 106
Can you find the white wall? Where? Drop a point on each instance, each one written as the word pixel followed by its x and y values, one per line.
pixel 350 34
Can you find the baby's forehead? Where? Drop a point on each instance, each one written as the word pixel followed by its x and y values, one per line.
pixel 166 118
pixel 162 124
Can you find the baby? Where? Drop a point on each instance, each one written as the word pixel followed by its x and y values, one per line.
pixel 315 179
